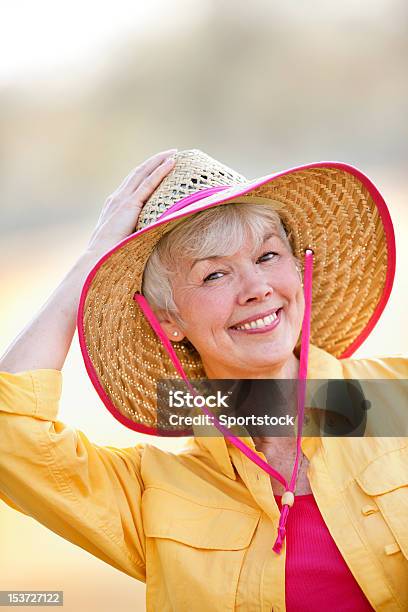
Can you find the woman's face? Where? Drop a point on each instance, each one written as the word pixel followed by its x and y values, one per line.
pixel 216 297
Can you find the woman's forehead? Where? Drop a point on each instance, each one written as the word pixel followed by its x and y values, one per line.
pixel 221 232
pixel 250 244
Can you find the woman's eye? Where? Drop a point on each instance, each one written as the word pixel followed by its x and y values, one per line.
pixel 208 278
pixel 265 257
pixel 270 255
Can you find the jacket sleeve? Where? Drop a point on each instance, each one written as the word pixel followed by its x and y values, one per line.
pixel 87 494
pixel 392 367
pixel 387 416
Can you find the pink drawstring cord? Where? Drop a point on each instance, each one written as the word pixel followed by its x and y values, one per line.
pixel 304 355
pixel 237 442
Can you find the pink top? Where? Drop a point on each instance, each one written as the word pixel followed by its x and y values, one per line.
pixel 317 577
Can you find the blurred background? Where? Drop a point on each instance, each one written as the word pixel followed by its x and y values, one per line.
pixel 89 89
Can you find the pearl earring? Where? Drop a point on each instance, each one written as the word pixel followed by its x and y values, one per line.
pixel 175 333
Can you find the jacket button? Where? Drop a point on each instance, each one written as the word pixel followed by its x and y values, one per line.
pixel 390 549
pixel 368 509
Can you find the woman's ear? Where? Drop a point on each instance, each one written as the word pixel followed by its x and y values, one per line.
pixel 169 325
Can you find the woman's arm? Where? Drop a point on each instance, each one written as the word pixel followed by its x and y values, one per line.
pixel 88 494
pixel 45 341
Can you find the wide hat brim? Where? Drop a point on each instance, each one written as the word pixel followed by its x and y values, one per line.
pixel 330 207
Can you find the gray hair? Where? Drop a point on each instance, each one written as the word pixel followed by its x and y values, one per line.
pixel 221 230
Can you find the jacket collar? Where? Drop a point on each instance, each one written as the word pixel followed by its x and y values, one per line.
pixel 321 365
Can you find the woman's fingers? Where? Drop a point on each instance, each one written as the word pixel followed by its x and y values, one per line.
pixel 151 182
pixel 141 172
pixel 121 210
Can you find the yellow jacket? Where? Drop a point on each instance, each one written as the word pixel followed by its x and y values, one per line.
pixel 199 526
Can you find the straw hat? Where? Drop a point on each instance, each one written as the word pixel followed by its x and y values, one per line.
pixel 329 207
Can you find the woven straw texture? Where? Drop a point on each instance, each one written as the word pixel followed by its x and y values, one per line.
pixel 326 209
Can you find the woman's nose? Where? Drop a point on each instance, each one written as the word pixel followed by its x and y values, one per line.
pixel 254 288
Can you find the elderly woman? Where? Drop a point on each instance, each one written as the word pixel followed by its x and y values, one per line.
pixel 216 283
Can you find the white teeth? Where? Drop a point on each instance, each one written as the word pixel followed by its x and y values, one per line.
pixel 259 323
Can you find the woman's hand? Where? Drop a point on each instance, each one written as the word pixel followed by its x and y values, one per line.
pixel 121 211
pixel 45 341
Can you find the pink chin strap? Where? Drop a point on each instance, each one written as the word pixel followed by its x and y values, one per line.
pixel 288 497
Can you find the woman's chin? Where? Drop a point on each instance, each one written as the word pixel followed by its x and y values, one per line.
pixel 277 358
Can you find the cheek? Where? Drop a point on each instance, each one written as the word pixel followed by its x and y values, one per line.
pixel 296 295
pixel 212 313
pixel 293 285
pixel 300 304
pixel 212 310
pixel 201 310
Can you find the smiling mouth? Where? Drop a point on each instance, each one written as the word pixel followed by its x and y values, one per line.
pixel 259 325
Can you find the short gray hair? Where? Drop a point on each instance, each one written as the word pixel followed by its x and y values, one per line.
pixel 221 230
